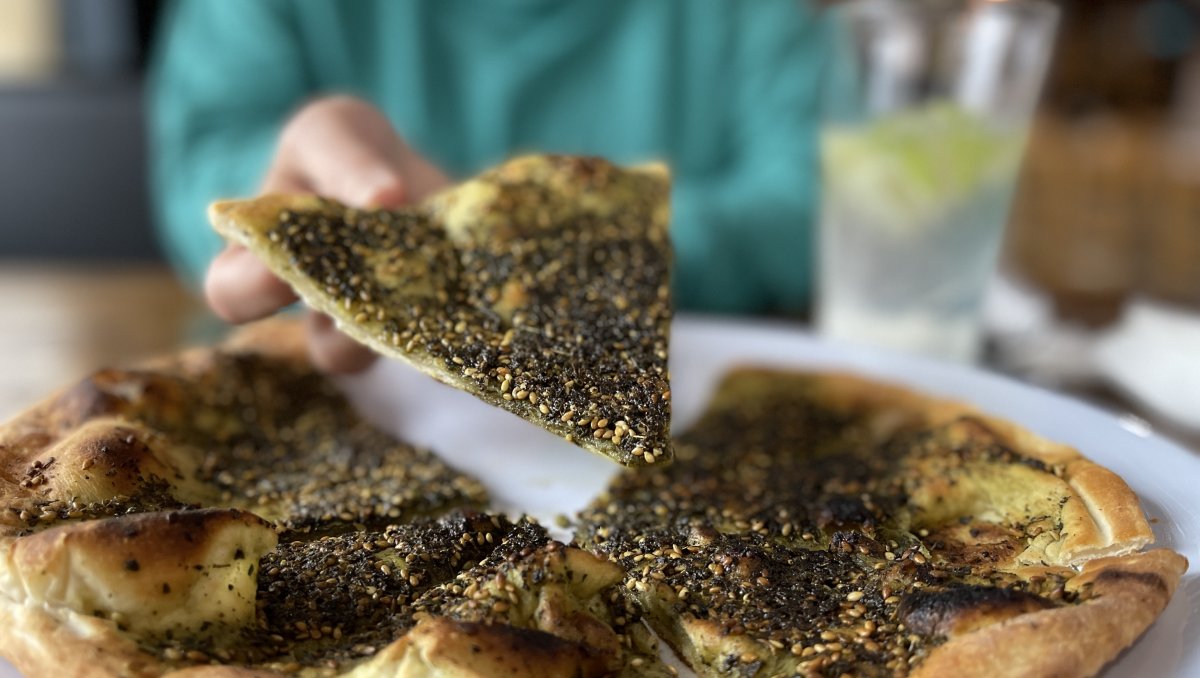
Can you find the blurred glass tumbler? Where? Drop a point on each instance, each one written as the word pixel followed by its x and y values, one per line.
pixel 926 107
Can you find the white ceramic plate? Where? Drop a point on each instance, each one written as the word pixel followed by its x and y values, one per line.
pixel 529 470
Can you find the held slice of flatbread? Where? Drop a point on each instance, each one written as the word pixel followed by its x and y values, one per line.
pixel 823 524
pixel 540 286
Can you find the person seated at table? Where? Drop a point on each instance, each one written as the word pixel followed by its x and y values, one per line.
pixel 380 103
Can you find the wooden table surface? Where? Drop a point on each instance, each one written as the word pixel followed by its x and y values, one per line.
pixel 60 323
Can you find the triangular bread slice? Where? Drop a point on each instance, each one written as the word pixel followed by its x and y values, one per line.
pixel 542 286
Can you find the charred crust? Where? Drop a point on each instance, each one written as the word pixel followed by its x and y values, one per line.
pixel 530 646
pixel 1117 577
pixel 843 510
pixel 173 537
pixel 91 398
pixel 976 544
pixel 119 454
pixel 946 612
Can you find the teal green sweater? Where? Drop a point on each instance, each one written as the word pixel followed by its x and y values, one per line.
pixel 723 90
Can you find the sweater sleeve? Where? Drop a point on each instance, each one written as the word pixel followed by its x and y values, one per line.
pixel 743 232
pixel 225 76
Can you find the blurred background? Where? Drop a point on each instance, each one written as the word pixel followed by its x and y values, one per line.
pixel 1106 222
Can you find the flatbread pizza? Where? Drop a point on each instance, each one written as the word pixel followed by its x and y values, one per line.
pixel 225 511
pixel 813 524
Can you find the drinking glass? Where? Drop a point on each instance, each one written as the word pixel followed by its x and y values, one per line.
pixel 926 106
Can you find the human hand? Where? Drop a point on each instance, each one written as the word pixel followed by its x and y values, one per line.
pixel 339 147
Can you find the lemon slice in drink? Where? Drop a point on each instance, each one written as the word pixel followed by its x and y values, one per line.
pixel 906 171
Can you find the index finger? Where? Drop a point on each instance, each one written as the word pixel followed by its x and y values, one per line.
pixel 239 287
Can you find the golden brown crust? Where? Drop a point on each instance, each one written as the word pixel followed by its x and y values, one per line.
pixel 39 643
pixel 443 647
pixel 65 591
pixel 1125 594
pixel 1114 510
pixel 149 573
pixel 100 459
pixel 700 643
pixel 437 647
pixel 217 671
pixel 480 211
pixel 853 392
